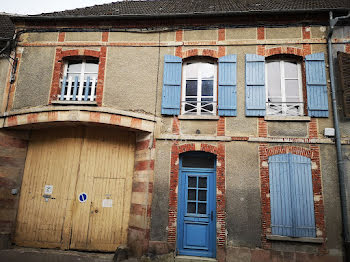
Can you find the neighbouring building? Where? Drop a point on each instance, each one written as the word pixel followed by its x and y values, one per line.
pixel 202 128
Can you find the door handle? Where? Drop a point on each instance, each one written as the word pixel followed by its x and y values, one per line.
pixel 211 215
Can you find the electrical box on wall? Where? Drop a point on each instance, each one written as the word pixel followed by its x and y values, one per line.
pixel 329 132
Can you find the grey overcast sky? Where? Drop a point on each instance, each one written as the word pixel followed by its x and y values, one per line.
pixel 44 6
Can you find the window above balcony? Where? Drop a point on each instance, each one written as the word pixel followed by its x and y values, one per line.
pixel 79 80
pixel 199 88
pixel 284 93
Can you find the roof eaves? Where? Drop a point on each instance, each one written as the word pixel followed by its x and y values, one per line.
pixel 175 15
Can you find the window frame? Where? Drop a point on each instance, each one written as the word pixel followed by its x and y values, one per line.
pixel 80 96
pixel 283 78
pixel 199 88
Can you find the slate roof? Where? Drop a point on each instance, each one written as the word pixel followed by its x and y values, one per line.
pixel 7 29
pixel 205 7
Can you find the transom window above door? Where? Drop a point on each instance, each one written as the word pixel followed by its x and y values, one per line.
pixel 284 88
pixel 199 88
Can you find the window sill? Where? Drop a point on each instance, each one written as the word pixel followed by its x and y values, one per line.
pixel 315 240
pixel 288 118
pixel 197 117
pixel 77 103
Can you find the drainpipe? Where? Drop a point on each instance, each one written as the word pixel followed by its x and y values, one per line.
pixel 340 162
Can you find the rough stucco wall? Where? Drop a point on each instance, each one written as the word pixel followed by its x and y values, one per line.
pixel 83 36
pixel 283 33
pixel 318 32
pixel 160 200
pixel 131 78
pixel 295 129
pixel 39 37
pixel 241 125
pixel 191 126
pixel 243 194
pixel 34 77
pixel 198 35
pixel 4 68
pixel 346 158
pixel 331 197
pixel 241 33
pixel 133 37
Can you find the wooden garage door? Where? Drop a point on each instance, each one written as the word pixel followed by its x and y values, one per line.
pixel 69 162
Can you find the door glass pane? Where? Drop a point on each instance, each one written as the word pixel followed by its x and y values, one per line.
pixel 290 69
pixel 198 161
pixel 202 208
pixel 74 67
pixel 91 66
pixel 207 70
pixel 192 70
pixel 192 181
pixel 202 182
pixel 207 87
pixel 202 195
pixel 274 82
pixel 292 91
pixel 191 88
pixel 192 194
pixel 191 207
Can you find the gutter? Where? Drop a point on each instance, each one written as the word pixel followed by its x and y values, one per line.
pixel 340 162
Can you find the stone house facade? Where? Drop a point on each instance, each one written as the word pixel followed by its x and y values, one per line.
pixel 149 125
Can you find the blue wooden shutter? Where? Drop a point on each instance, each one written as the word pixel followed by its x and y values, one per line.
pixel 280 196
pixel 227 98
pixel 171 85
pixel 316 84
pixel 255 100
pixel 302 196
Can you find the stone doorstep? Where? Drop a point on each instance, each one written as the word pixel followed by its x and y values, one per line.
pixel 193 259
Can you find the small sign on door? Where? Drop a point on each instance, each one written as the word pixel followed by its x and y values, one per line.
pixel 48 189
pixel 107 203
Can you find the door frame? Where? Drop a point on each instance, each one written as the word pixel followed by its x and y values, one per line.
pixel 180 207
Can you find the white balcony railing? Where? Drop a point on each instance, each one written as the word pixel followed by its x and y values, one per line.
pixel 199 107
pixel 284 108
pixel 78 89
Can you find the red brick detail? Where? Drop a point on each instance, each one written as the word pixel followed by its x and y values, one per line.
pixel 142 145
pixel 261 50
pixel 306 49
pixel 105 36
pixel 58 70
pixel 136 123
pixel 347 48
pixel 222 51
pixel 139 187
pixel 221 126
pixel 306 32
pixel 314 154
pixel 178 51
pixel 61 36
pixel 52 116
pixel 261 33
pixel 144 165
pixel 179 35
pixel 32 118
pixel 221 34
pixel 12 121
pixel 262 127
pixel 8 141
pixel 176 126
pixel 313 133
pixel 95 117
pixel 138 209
pixel 239 138
pixel 115 119
pixel 200 52
pixel 219 151
pixel 284 50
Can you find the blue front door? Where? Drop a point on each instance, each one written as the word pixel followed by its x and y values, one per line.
pixel 196 235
